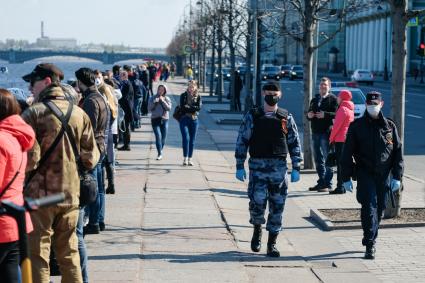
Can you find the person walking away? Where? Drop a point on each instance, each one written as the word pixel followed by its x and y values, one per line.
pixel 190 103
pixel 160 106
pixel 321 113
pixel 375 145
pixel 16 138
pixel 59 173
pixel 238 89
pixel 173 68
pixel 344 116
pixel 269 133
pixel 96 107
pixel 126 103
pixel 189 73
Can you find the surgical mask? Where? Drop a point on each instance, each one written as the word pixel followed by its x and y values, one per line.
pixel 97 81
pixel 373 110
pixel 271 100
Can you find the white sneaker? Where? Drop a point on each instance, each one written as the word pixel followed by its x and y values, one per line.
pixel 189 162
pixel 185 161
pixel 159 157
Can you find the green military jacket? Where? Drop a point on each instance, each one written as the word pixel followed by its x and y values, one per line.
pixel 59 173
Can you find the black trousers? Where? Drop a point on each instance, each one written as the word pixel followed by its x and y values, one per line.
pixel 372 193
pixel 9 262
pixel 338 151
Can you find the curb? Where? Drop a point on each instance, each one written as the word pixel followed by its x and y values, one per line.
pixel 326 224
pixel 228 121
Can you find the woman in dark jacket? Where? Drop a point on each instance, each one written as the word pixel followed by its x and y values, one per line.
pixel 190 103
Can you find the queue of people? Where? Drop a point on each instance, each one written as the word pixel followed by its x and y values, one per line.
pixel 103 106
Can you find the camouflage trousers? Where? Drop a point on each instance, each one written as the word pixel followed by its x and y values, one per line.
pixel 267 183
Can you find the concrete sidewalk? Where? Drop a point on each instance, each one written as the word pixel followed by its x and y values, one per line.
pixel 169 222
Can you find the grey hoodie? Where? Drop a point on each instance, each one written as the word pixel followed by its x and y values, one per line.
pixel 161 108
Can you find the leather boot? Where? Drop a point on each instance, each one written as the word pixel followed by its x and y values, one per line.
pixel 370 252
pixel 256 239
pixel 272 251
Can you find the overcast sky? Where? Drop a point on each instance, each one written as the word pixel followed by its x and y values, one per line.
pixel 145 23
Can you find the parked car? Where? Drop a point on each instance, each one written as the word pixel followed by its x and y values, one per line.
pixel 285 70
pixel 343 84
pixel 271 73
pixel 358 99
pixel 363 75
pixel 226 74
pixel 297 72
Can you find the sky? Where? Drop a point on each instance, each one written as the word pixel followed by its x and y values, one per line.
pixel 138 23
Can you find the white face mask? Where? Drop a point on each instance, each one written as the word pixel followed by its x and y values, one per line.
pixel 373 110
pixel 97 81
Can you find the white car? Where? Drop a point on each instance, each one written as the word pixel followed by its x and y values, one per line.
pixel 358 98
pixel 363 75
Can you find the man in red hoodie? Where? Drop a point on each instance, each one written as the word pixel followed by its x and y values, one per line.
pixel 343 117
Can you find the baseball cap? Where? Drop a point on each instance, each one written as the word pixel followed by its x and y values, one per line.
pixel 373 95
pixel 42 71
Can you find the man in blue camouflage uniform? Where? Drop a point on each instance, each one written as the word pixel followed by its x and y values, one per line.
pixel 269 133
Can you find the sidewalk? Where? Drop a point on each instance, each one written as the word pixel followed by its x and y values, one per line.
pixel 190 224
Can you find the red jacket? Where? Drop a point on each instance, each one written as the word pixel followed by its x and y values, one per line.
pixel 16 137
pixel 344 116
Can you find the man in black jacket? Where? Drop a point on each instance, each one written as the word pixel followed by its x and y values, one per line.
pixel 126 103
pixel 321 113
pixel 374 143
pixel 144 77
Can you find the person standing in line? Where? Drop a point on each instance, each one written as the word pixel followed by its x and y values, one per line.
pixel 16 138
pixel 270 134
pixel 160 106
pixel 321 113
pixel 152 74
pixel 344 116
pixel 190 104
pixel 238 89
pixel 58 174
pixel 96 107
pixel 375 145
pixel 126 103
pixel 144 77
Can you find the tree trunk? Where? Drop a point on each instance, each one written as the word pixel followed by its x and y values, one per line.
pixel 219 89
pixel 212 75
pixel 248 75
pixel 232 56
pixel 398 82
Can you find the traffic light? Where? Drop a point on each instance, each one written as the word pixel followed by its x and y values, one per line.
pixel 421 50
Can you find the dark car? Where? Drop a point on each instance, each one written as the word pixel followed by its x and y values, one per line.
pixel 297 72
pixel 271 73
pixel 285 69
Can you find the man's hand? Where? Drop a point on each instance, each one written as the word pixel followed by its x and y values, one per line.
pixel 395 185
pixel 320 115
pixel 310 115
pixel 295 175
pixel 348 186
pixel 241 175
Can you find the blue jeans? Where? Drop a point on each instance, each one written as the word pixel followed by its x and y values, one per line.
pixel 321 150
pixel 188 129
pixel 96 210
pixel 82 246
pixel 160 129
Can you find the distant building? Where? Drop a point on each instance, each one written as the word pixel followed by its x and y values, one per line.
pixel 57 43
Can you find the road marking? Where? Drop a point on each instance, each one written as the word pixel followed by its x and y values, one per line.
pixel 414 116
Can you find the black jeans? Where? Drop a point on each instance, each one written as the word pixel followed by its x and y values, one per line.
pixel 9 262
pixel 338 151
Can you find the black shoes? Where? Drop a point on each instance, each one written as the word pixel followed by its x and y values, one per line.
pixel 370 252
pixel 315 188
pixel 110 189
pixel 91 229
pixel 337 191
pixel 272 251
pixel 101 226
pixel 256 239
pixel 124 147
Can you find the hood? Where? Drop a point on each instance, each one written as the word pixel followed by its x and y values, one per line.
pixel 347 104
pixel 17 127
pixel 163 85
pixel 345 95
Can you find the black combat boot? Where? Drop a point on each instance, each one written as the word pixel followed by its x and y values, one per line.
pixel 272 251
pixel 370 252
pixel 256 239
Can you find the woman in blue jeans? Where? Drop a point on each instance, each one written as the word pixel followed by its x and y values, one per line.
pixel 190 103
pixel 160 105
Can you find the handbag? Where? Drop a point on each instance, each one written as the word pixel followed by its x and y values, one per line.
pixel 331 160
pixel 178 113
pixel 88 183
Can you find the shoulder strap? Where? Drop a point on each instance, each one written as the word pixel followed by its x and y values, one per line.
pixel 13 179
pixel 58 113
pixel 50 150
